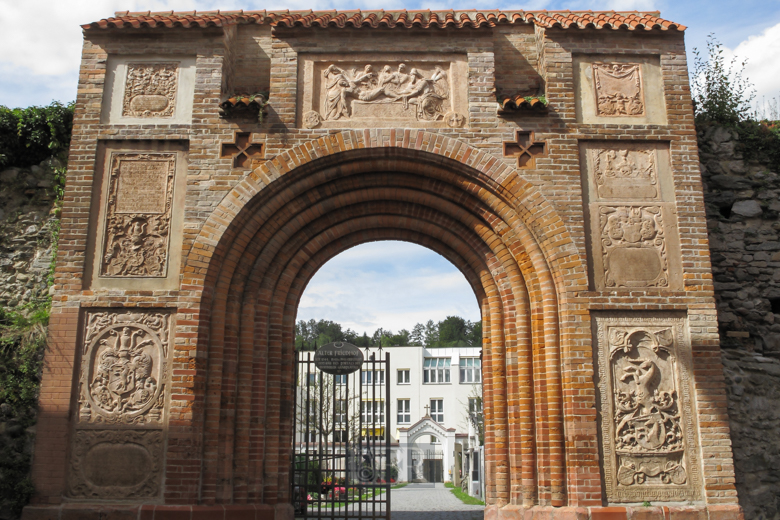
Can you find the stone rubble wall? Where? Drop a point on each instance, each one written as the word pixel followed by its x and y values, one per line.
pixel 742 214
pixel 26 220
pixel 26 217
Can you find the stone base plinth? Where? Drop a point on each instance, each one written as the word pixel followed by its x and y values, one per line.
pixel 713 512
pixel 158 512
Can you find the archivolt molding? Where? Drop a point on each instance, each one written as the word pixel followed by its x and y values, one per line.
pixel 544 227
pixel 276 235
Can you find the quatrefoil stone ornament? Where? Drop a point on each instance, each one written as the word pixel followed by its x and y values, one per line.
pixel 242 150
pixel 526 149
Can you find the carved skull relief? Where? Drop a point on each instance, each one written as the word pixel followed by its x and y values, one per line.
pixel 618 89
pixel 625 173
pixel 124 367
pixel 150 90
pixel 138 215
pixel 633 246
pixel 646 416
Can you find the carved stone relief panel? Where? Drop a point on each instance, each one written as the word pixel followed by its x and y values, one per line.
pixel 138 215
pixel 116 464
pixel 624 173
pixel 124 367
pixel 619 89
pixel 633 228
pixel 648 429
pixel 633 246
pixel 150 89
pixel 338 91
pixel 625 88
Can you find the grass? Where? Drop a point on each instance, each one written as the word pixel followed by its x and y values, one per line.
pixel 399 486
pixel 464 497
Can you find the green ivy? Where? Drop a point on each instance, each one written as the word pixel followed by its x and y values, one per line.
pixel 33 134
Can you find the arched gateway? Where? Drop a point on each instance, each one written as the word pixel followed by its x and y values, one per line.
pixel 189 235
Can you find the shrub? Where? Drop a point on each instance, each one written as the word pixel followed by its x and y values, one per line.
pixel 721 94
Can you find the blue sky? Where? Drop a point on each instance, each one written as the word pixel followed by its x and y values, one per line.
pixel 390 284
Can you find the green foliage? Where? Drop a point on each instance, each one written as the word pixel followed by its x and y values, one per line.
pixel 22 342
pixel 453 331
pixel 33 134
pixel 463 497
pixel 721 94
pixel 760 141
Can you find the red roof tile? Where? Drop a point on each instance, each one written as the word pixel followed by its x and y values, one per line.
pixel 519 102
pixel 424 19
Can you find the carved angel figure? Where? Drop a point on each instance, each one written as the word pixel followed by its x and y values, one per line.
pixel 123 379
pixel 618 89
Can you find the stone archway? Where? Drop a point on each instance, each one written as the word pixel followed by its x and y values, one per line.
pixel 255 255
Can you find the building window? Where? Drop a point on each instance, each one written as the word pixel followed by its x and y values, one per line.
pixel 436 370
pixel 470 370
pixel 371 377
pixel 372 411
pixel 403 376
pixel 434 440
pixel 404 412
pixel 437 410
pixel 341 379
pixel 340 436
pixel 341 411
pixel 475 405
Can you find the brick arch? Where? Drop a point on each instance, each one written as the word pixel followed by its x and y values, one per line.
pixel 252 259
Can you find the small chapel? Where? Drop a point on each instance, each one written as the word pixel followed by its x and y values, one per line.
pixel 219 159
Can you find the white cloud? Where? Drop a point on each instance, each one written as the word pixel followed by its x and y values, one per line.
pixel 393 285
pixel 763 61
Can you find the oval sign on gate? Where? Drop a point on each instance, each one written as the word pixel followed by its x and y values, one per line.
pixel 338 358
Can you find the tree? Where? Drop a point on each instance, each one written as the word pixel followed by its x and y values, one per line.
pixel 720 93
pixel 417 337
pixel 431 334
pixel 454 332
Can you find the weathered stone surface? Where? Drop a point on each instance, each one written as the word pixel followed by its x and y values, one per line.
pixel 747 208
pixel 744 240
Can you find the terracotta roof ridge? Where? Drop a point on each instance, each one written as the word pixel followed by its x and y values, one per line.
pixel 408 18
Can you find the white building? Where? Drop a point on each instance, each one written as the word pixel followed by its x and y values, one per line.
pixel 432 393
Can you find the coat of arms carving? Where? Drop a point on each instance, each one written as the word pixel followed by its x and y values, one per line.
pixel 138 215
pixel 647 427
pixel 633 245
pixel 150 90
pixel 124 366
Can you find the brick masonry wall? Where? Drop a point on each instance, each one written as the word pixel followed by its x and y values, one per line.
pixel 253 238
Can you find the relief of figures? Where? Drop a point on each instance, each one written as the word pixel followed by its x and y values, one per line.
pixel 138 215
pixel 409 89
pixel 624 173
pixel 122 376
pixel 618 89
pixel 647 424
pixel 150 90
pixel 633 246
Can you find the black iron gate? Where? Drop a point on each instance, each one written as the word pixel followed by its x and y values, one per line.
pixel 341 455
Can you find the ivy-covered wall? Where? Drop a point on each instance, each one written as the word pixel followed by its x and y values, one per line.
pixel 33 147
